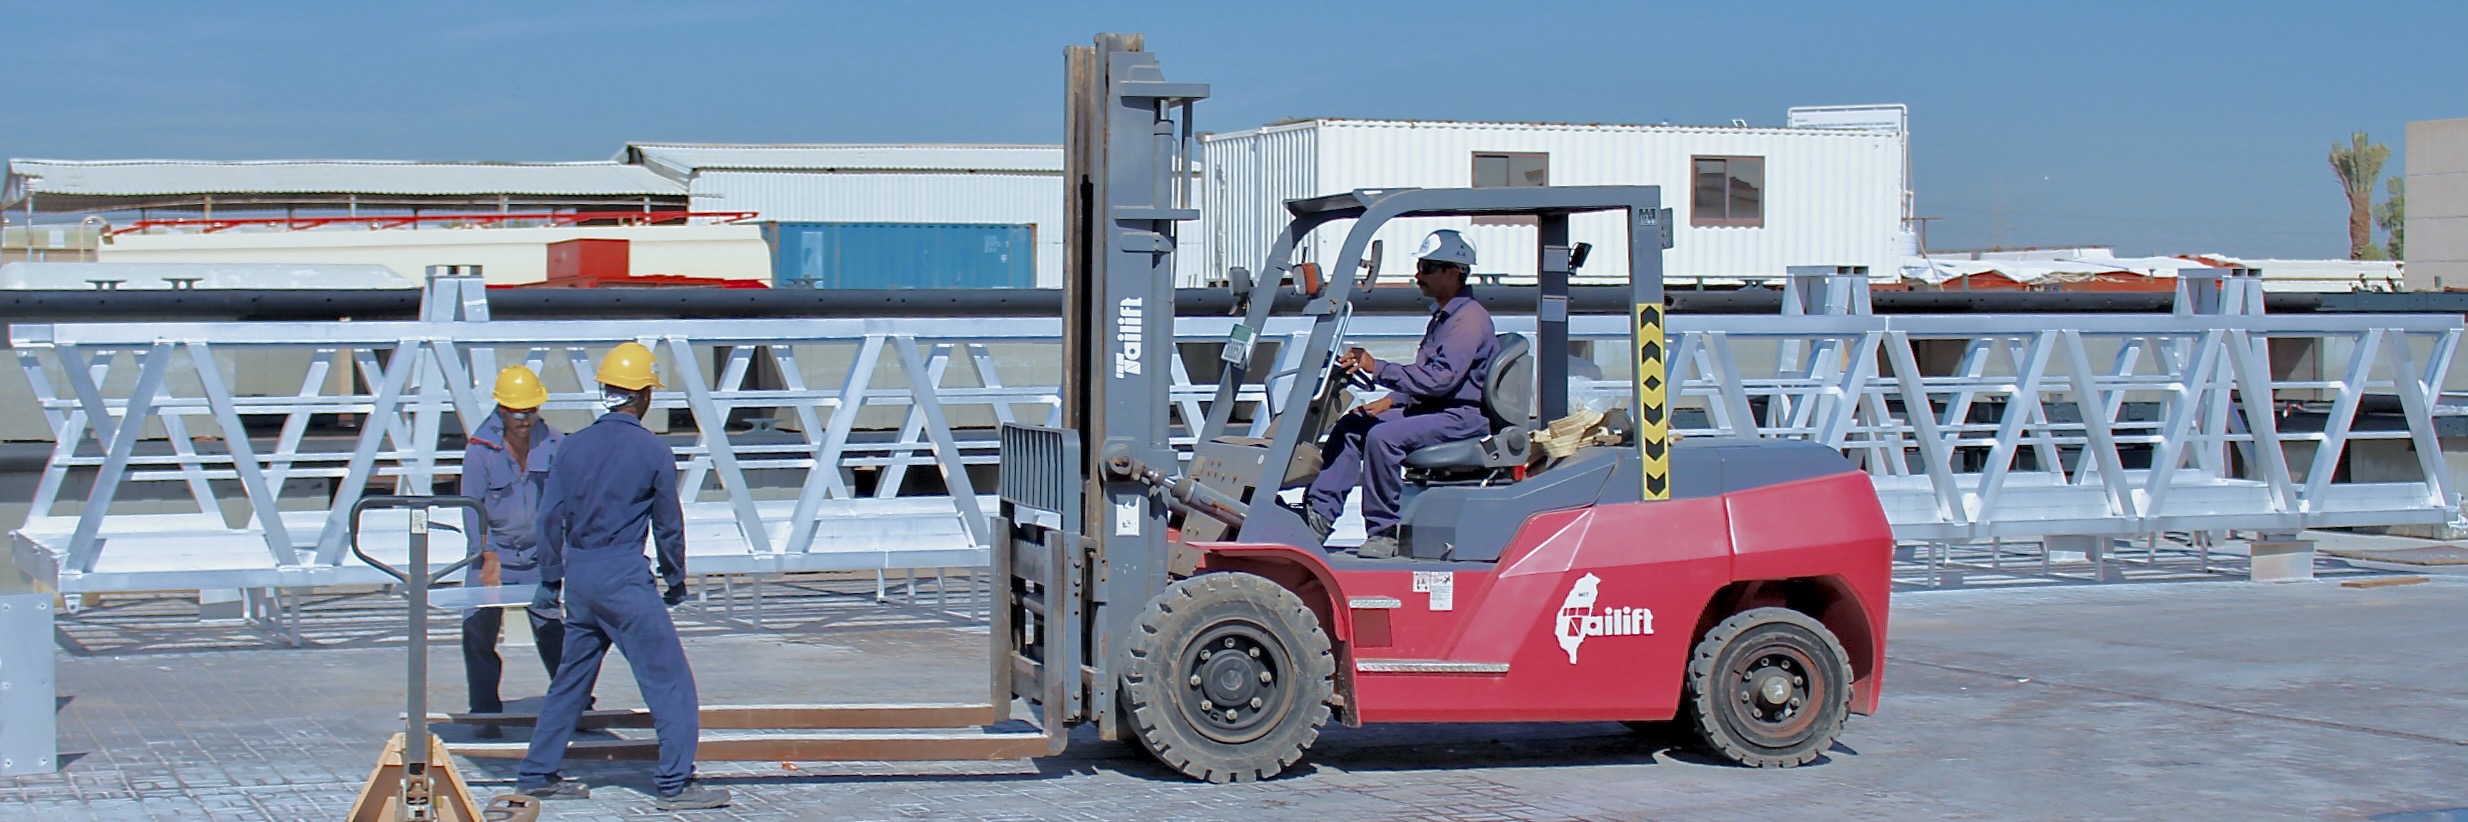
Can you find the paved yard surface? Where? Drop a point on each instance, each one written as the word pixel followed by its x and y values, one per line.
pixel 2160 700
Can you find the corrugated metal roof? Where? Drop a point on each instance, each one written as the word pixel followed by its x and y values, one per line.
pixel 139 178
pixel 679 160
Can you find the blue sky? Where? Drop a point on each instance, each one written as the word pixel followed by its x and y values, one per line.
pixel 2156 127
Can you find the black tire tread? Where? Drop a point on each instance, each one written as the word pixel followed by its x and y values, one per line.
pixel 1157 724
pixel 1699 713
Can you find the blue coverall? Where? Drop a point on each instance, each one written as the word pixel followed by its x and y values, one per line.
pixel 1436 399
pixel 613 482
pixel 511 494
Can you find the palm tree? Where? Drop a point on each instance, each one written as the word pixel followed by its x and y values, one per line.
pixel 2359 166
pixel 2393 215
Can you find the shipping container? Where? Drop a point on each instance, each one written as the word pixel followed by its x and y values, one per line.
pixel 900 197
pixel 589 259
pixel 938 184
pixel 902 255
pixel 1803 196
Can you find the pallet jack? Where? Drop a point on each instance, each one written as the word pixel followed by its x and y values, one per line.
pixel 415 780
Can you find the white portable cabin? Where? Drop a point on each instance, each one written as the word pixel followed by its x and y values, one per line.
pixel 1748 202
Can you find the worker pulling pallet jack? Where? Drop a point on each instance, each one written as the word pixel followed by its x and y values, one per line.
pixel 615 483
pixel 619 487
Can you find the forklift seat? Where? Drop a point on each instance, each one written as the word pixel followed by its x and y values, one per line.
pixel 1509 401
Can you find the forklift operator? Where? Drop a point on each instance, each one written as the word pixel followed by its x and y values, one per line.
pixel 1436 399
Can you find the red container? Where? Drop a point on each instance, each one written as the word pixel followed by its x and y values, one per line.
pixel 587 263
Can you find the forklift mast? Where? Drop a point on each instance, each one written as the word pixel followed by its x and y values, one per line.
pixel 1127 174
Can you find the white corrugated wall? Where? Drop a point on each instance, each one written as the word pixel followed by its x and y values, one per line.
pixel 1832 197
pixel 1249 177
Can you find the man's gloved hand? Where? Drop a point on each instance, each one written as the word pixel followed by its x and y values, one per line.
pixel 675 594
pixel 544 600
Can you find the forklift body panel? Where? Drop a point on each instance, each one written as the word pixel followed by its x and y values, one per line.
pixel 1441 640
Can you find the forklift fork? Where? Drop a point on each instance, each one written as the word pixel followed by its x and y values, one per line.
pixel 1034 639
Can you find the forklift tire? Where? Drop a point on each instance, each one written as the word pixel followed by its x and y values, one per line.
pixel 1768 688
pixel 1229 677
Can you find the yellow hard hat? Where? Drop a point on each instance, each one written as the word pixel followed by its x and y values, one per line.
pixel 628 366
pixel 519 389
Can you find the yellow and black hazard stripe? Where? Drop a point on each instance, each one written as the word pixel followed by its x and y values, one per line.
pixel 1653 406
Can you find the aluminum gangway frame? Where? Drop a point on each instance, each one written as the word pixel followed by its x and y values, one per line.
pixel 2069 432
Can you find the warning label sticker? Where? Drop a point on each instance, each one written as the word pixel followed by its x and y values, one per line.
pixel 1441 585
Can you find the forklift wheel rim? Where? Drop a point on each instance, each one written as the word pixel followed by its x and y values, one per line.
pixel 1777 658
pixel 1230 673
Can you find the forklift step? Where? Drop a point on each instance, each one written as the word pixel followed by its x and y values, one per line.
pixel 1428 666
pixel 755 717
pixel 1374 603
pixel 876 747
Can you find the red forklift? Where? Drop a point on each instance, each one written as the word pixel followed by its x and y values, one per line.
pixel 1735 588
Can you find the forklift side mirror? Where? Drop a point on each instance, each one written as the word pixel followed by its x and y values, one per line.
pixel 1238 278
pixel 1371 267
pixel 1307 279
pixel 1576 258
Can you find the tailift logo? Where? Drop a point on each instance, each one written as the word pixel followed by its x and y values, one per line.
pixel 1127 331
pixel 1578 619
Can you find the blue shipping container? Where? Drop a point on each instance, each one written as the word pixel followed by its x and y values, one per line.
pixel 901 255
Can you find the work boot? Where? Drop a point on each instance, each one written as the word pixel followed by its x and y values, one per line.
pixel 1319 524
pixel 1379 546
pixel 558 787
pixel 695 796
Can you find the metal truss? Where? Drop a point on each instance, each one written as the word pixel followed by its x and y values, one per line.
pixel 1975 427
pixel 2087 425
pixel 2087 431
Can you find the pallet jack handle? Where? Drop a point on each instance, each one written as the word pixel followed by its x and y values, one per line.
pixel 416 801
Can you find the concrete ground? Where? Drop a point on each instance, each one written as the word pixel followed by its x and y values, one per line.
pixel 2190 700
